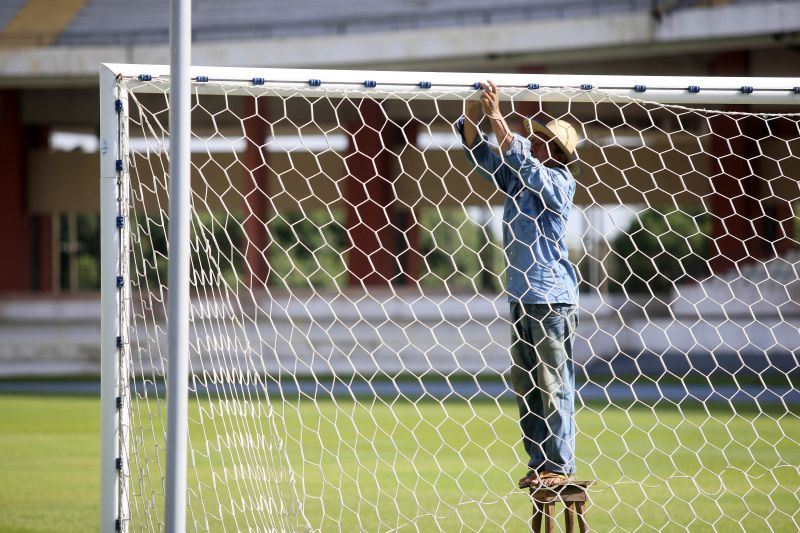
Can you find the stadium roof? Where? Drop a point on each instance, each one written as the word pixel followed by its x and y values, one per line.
pixel 47 43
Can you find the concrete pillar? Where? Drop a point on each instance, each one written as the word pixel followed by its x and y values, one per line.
pixel 255 190
pixel 735 201
pixel 15 226
pixel 372 257
pixel 779 220
pixel 736 190
pixel 42 253
pixel 409 252
pixel 43 246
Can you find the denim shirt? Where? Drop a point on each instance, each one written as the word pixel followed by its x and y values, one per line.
pixel 537 205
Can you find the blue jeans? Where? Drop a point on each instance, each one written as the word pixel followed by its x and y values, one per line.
pixel 543 377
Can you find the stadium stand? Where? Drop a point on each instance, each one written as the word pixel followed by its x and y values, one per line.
pixel 115 22
pixel 40 21
pixel 8 9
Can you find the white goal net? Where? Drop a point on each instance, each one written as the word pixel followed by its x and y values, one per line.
pixel 350 327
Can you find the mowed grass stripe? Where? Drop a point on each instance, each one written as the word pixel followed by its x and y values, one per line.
pixel 368 466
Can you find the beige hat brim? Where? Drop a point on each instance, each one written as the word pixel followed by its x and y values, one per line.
pixel 535 127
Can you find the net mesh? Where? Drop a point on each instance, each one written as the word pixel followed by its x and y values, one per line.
pixel 350 335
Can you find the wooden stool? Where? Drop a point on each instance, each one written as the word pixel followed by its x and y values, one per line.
pixel 574 497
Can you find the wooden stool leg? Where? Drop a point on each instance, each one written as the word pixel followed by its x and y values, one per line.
pixel 549 519
pixel 582 525
pixel 569 520
pixel 536 521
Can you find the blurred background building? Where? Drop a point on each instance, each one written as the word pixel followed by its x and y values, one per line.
pixel 49 56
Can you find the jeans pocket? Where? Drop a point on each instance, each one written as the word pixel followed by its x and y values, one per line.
pixel 560 311
pixel 555 327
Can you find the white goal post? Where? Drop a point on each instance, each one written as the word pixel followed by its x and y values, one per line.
pixel 306 362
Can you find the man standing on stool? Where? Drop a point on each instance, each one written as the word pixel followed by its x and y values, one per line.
pixel 536 174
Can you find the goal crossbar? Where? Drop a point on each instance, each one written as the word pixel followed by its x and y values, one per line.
pixel 457 86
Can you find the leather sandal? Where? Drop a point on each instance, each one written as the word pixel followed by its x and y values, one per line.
pixel 529 480
pixel 553 479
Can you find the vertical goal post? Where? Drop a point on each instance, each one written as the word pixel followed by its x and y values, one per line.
pixel 122 83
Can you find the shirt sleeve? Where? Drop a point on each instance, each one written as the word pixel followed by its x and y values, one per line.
pixel 555 186
pixel 485 160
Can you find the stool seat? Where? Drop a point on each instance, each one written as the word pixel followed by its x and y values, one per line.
pixel 574 497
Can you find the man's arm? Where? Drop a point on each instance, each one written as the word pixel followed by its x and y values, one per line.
pixel 486 159
pixel 490 101
pixel 470 131
pixel 482 155
pixel 556 189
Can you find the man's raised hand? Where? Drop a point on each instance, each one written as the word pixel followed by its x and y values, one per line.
pixel 490 100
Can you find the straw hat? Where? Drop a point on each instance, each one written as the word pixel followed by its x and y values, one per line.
pixel 563 133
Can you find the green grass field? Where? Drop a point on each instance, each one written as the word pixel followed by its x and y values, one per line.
pixel 430 466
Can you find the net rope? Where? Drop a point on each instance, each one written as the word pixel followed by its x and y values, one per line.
pixel 350 332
